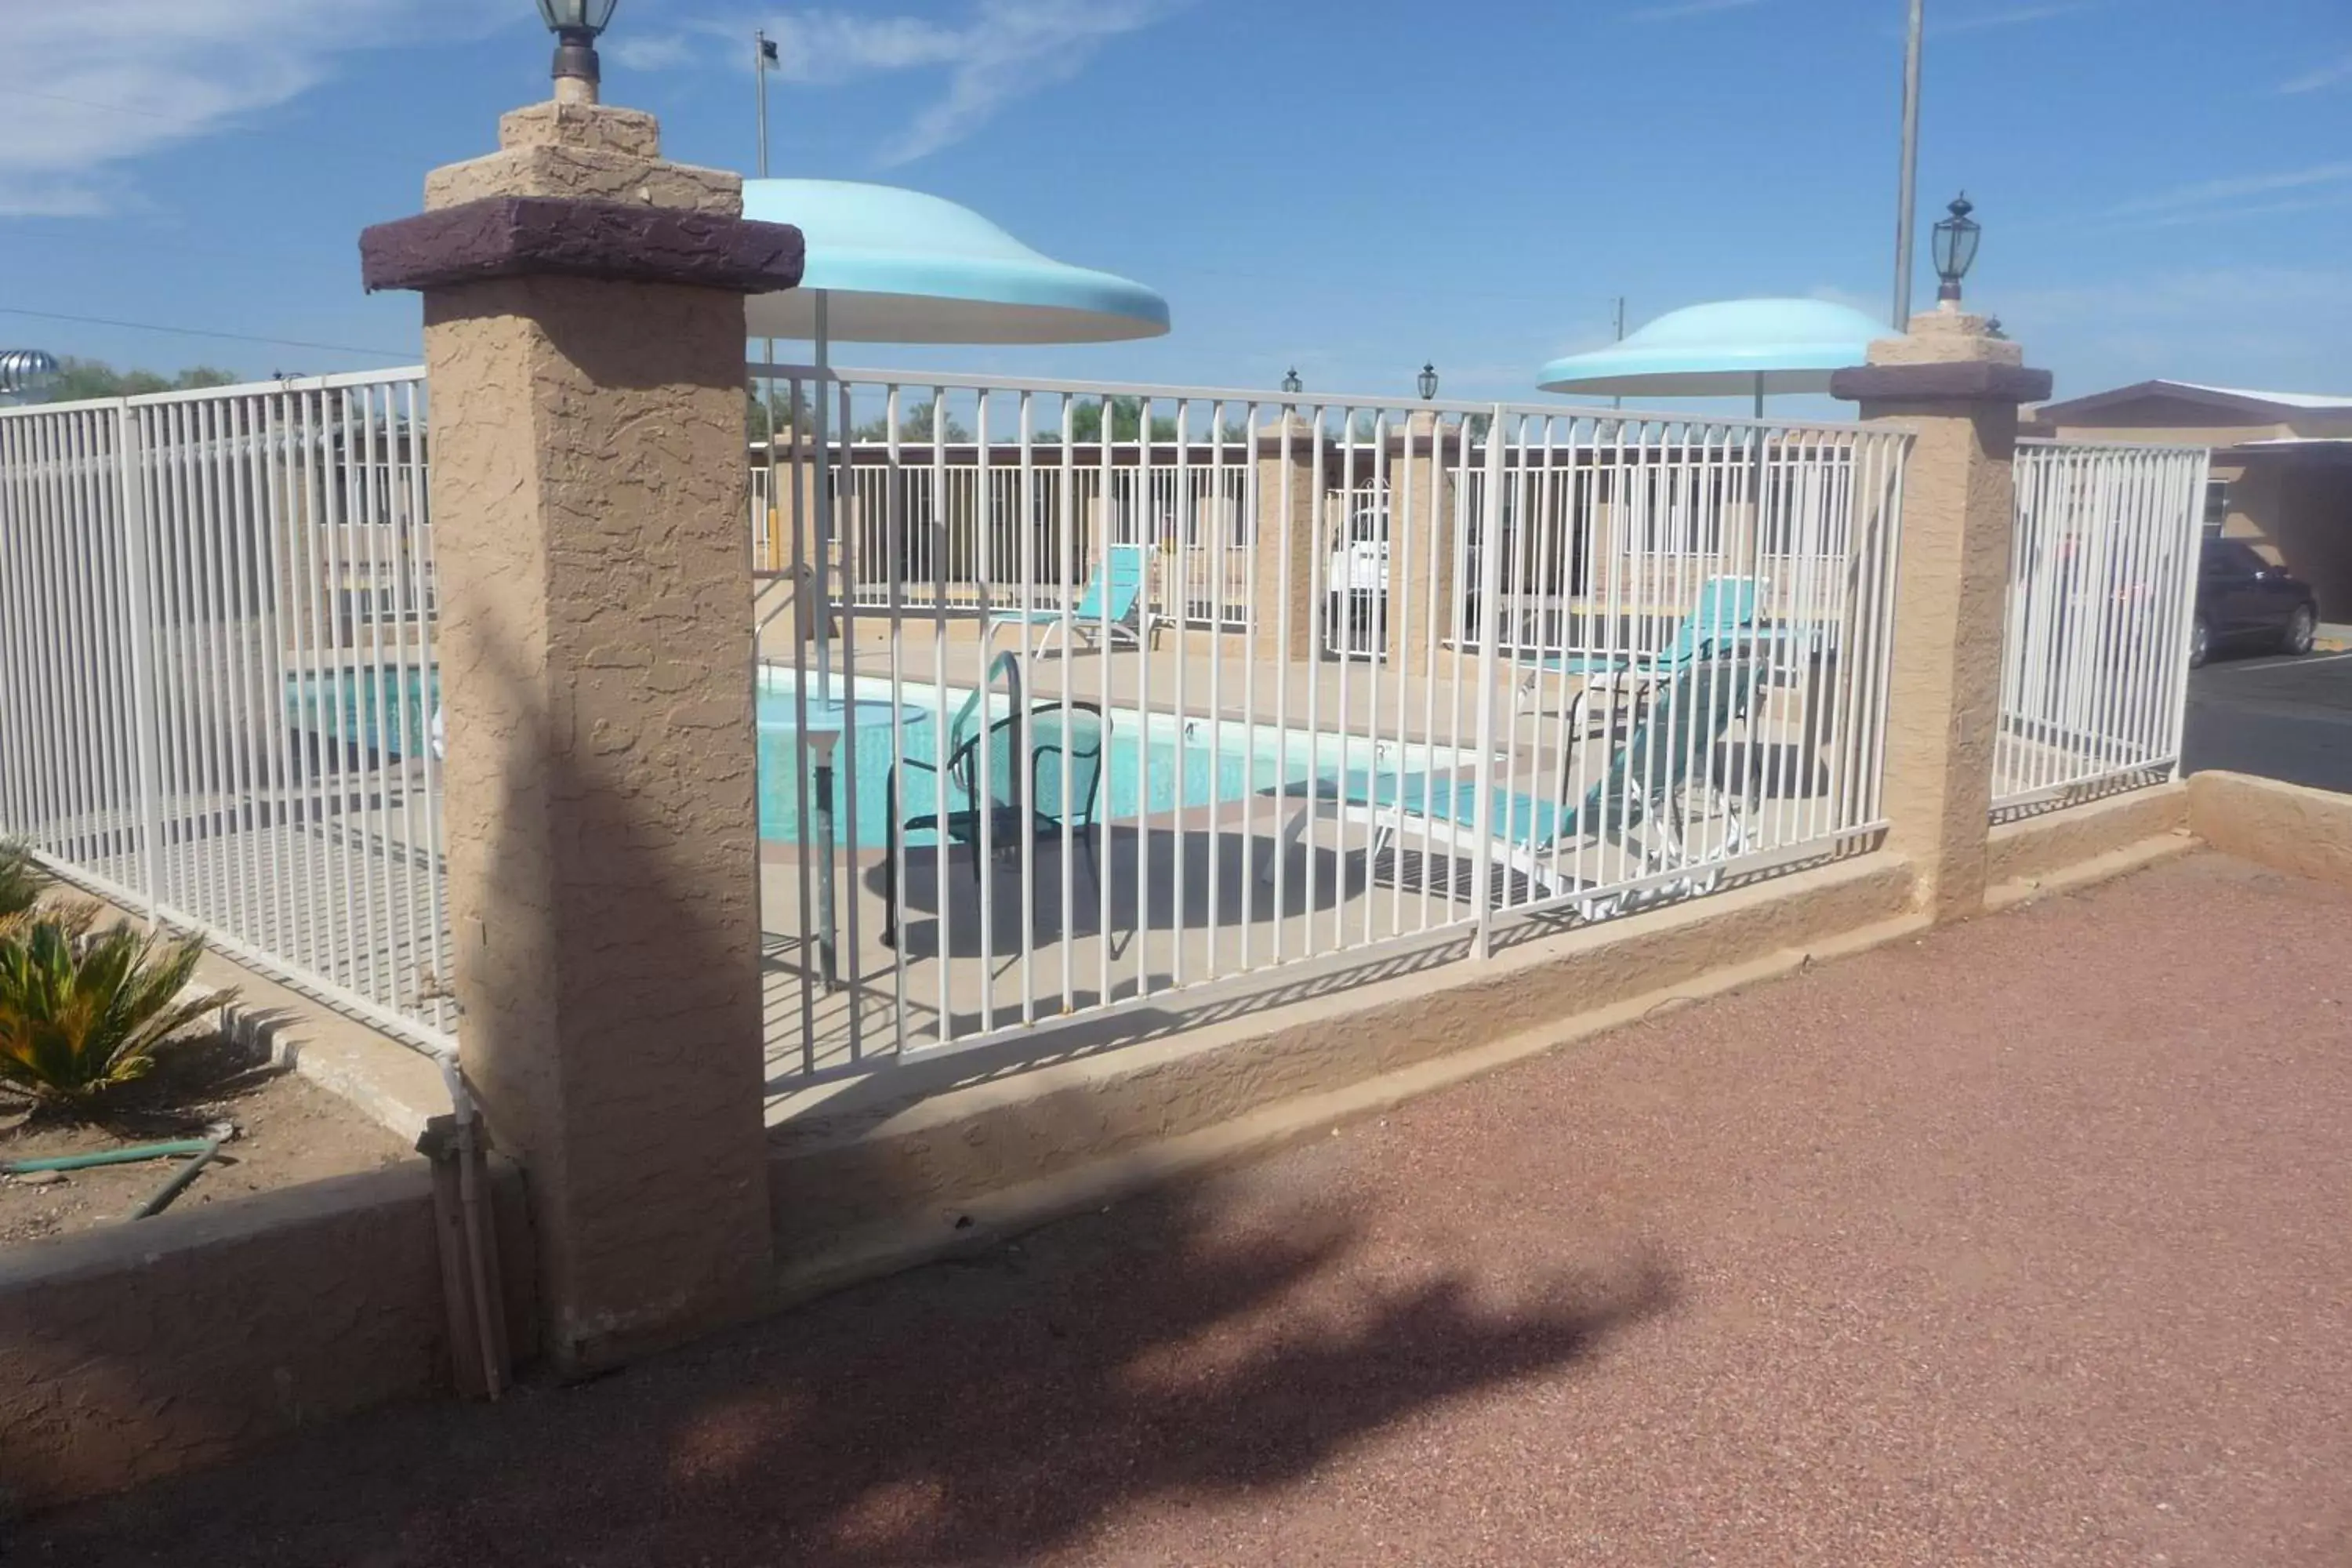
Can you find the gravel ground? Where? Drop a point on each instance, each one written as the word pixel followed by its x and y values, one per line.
pixel 2029 1243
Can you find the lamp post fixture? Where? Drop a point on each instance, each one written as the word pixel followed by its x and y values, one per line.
pixel 575 24
pixel 1427 382
pixel 1955 248
pixel 1291 384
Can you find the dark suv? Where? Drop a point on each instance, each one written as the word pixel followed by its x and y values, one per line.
pixel 2243 598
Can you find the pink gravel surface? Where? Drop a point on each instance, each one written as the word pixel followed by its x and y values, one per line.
pixel 2027 1243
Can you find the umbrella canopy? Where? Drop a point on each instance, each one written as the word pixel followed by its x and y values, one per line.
pixel 900 266
pixel 1731 348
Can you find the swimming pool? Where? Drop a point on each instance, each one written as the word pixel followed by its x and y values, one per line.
pixel 1154 764
pixel 384 707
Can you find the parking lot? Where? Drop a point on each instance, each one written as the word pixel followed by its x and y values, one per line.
pixel 2286 719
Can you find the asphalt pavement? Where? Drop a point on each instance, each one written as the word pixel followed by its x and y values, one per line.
pixel 2286 719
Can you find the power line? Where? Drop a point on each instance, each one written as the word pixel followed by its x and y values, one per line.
pixel 200 333
pixel 15 91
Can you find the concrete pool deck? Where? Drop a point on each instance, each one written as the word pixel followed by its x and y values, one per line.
pixel 2026 1241
pixel 1219 855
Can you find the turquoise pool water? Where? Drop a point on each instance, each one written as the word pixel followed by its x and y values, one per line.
pixel 1155 763
pixel 367 703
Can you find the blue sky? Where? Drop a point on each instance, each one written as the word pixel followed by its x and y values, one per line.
pixel 2166 184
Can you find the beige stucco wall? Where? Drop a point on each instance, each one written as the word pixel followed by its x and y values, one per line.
pixel 2036 847
pixel 132 1352
pixel 2287 827
pixel 915 1148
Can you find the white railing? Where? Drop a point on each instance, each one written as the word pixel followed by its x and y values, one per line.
pixel 1326 685
pixel 1053 771
pixel 1173 498
pixel 2103 583
pixel 216 633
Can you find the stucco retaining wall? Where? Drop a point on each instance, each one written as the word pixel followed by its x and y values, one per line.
pixel 134 1350
pixel 911 1151
pixel 2288 828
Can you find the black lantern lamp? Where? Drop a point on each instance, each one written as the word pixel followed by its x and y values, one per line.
pixel 1955 248
pixel 575 24
pixel 1291 384
pixel 1427 382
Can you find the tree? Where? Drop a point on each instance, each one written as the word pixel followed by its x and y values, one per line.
pixel 915 424
pixel 1126 421
pixel 78 379
pixel 778 412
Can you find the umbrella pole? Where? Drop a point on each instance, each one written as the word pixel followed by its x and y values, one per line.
pixel 826 938
pixel 1759 395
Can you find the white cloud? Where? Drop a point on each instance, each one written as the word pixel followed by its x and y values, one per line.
pixel 2320 77
pixel 1005 49
pixel 2226 197
pixel 2237 326
pixel 2012 15
pixel 1687 8
pixel 660 52
pixel 127 77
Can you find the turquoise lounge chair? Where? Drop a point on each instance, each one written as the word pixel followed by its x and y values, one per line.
pixel 1726 608
pixel 1647 786
pixel 1113 598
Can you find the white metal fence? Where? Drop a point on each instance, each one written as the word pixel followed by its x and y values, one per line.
pixel 2102 584
pixel 1617 659
pixel 1269 694
pixel 215 628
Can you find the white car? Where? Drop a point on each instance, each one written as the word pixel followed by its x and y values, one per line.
pixel 1360 562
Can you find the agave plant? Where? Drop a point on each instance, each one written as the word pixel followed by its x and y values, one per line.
pixel 81 1015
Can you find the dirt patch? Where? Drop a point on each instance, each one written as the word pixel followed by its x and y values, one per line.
pixel 288 1130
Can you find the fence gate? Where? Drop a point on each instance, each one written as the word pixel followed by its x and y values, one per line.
pixel 2102 594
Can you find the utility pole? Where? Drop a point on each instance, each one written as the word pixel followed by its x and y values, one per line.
pixel 1909 200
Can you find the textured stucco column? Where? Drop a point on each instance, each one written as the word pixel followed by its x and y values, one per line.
pixel 1423 465
pixel 1958 389
pixel 583 336
pixel 1285 479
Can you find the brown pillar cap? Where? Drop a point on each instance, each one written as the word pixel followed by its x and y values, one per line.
pixel 517 236
pixel 1967 381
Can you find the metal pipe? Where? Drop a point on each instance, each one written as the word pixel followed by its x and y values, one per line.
pixel 159 1200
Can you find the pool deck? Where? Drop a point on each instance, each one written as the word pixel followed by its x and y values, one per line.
pixel 1193 895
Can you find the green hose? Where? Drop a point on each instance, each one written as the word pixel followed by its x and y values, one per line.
pixel 137 1151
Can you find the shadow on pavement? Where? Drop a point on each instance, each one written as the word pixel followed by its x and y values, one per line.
pixel 985 1411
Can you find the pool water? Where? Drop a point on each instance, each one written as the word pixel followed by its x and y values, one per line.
pixel 1153 764
pixel 386 707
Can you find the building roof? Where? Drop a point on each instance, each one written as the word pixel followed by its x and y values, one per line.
pixel 2236 400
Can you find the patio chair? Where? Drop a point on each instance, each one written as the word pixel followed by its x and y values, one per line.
pixel 1113 595
pixel 1648 782
pixel 1726 607
pixel 1024 796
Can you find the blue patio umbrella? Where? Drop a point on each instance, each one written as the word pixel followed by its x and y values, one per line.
pixel 1723 349
pixel 894 266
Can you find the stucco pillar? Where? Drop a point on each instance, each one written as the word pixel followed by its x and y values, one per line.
pixel 583 339
pixel 1286 504
pixel 1957 388
pixel 1424 556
